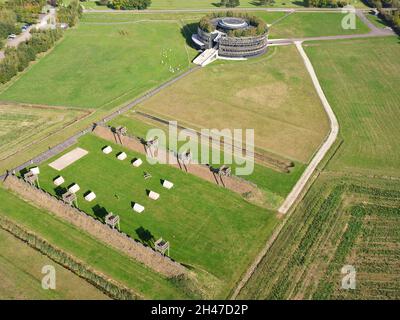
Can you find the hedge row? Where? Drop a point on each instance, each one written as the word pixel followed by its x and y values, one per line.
pixel 112 289
pixel 17 59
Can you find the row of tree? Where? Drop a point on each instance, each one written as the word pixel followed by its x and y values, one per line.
pixel 8 24
pixel 325 3
pixel 229 3
pixel 70 14
pixel 26 11
pixel 17 59
pixel 391 17
pixel 129 4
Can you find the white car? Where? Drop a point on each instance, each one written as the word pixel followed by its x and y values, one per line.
pixel 12 36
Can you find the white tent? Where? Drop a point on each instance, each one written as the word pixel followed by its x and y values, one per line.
pixel 138 208
pixel 107 150
pixel 137 163
pixel 153 195
pixel 35 170
pixel 167 184
pixel 90 196
pixel 59 181
pixel 121 156
pixel 74 188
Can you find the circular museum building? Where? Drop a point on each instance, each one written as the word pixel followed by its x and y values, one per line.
pixel 232 36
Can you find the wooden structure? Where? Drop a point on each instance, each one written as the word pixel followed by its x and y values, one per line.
pixel 31 178
pixel 120 131
pixel 151 147
pixel 112 220
pixel 69 198
pixel 162 246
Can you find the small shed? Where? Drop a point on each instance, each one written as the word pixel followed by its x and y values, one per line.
pixel 138 208
pixel 121 156
pixel 90 196
pixel 74 188
pixel 153 195
pixel 58 181
pixel 107 150
pixel 137 162
pixel 167 184
pixel 35 170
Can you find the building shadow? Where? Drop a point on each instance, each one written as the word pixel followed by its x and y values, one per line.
pixel 187 30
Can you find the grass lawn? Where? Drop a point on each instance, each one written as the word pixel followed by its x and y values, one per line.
pixel 360 80
pixel 89 250
pixel 313 24
pixel 205 234
pixel 272 94
pixel 22 125
pixel 20 273
pixel 120 61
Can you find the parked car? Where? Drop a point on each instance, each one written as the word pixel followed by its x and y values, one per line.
pixel 24 28
pixel 12 36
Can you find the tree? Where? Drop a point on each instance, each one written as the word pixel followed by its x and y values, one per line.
pixel 229 3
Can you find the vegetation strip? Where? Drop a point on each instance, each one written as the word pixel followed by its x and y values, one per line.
pixel 97 229
pixel 106 285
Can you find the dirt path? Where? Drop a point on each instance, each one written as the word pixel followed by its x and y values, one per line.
pixel 307 174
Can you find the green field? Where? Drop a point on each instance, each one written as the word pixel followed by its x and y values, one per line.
pixel 341 222
pixel 368 101
pixel 20 273
pixel 120 61
pixel 98 255
pixel 348 216
pixel 190 215
pixel 313 24
pixel 276 98
pixel 21 126
pixel 377 21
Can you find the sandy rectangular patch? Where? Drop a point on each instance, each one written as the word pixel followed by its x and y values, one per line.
pixel 68 159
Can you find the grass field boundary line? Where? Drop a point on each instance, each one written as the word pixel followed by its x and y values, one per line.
pixel 330 140
pixel 137 251
pixel 105 284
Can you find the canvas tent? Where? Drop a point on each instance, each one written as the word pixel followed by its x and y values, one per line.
pixel 138 208
pixel 35 170
pixel 107 150
pixel 153 195
pixel 167 184
pixel 121 156
pixel 59 181
pixel 137 162
pixel 90 196
pixel 74 188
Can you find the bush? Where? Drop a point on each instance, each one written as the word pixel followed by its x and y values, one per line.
pixel 17 59
pixel 130 4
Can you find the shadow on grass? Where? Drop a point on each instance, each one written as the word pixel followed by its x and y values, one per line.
pixel 145 236
pixel 187 30
pixel 99 212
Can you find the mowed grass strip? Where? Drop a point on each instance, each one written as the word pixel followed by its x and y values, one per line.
pixel 360 80
pixel 272 94
pixel 205 233
pixel 314 24
pixel 21 274
pixel 102 66
pixel 20 125
pixel 89 250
